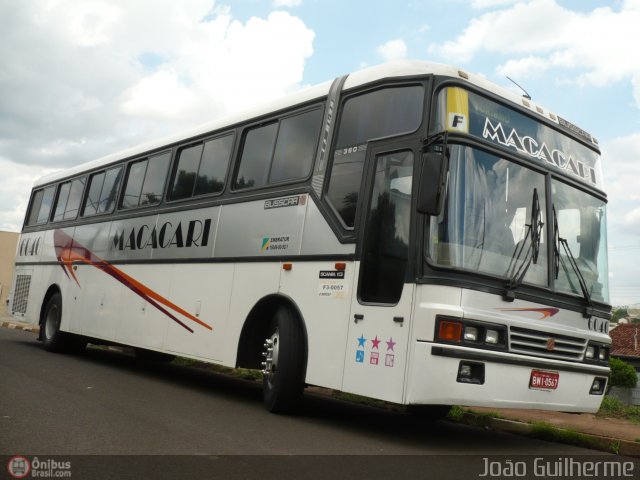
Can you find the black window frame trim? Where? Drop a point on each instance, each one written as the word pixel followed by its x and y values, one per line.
pixel 57 198
pixel 177 149
pixel 172 153
pixel 271 119
pixel 345 233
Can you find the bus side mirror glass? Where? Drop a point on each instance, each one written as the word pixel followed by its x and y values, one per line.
pixel 432 183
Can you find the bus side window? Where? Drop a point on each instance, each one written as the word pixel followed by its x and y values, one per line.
pixel 382 113
pixel 145 181
pixel 61 203
pixel 279 152
pixel 201 169
pixel 69 196
pixel 213 166
pixel 256 157
pixel 41 206
pixel 296 144
pixel 103 188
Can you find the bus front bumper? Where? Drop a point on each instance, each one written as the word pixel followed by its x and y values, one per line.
pixel 455 375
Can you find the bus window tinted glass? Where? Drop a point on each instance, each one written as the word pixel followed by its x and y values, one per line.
pixel 61 204
pixel 256 157
pixel 93 198
pixel 186 172
pixel 110 190
pixel 344 186
pixel 213 166
pixel 45 205
pixel 134 184
pixel 35 207
pixel 155 179
pixel 295 146
pixel 75 197
pixel 381 113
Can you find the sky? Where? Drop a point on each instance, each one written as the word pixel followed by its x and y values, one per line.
pixel 80 79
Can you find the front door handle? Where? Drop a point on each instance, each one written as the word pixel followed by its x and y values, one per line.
pixel 357 317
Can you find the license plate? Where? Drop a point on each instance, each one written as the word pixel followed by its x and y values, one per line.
pixel 543 380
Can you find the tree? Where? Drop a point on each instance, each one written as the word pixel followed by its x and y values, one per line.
pixel 619 313
pixel 622 374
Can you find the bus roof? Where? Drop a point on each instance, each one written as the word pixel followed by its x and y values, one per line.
pixel 394 69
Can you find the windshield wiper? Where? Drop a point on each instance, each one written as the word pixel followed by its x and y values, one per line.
pixel 519 265
pixel 557 241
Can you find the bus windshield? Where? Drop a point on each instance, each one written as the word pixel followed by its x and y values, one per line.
pixel 486 211
pixel 486 217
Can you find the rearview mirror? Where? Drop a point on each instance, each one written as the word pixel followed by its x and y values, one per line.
pixel 432 183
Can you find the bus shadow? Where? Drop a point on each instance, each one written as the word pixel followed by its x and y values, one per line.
pixel 406 432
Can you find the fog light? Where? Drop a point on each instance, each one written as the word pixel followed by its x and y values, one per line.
pixel 492 337
pixel 471 372
pixel 590 353
pixel 471 334
pixel 598 386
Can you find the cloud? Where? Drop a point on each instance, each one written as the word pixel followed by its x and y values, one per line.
pixel 84 78
pixel 621 165
pixel 393 49
pixel 595 44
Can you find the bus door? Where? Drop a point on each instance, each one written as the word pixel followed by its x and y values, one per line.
pixel 381 311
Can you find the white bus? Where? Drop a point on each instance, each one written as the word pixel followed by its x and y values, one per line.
pixel 409 232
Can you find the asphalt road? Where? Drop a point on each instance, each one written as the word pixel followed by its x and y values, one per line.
pixel 103 402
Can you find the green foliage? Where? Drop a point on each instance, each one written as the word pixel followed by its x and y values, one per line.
pixel 456 413
pixel 622 374
pixel 619 313
pixel 545 431
pixel 613 407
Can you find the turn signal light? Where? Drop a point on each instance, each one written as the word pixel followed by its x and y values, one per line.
pixel 450 331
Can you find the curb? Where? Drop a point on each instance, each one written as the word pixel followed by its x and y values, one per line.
pixel 20 326
pixel 587 440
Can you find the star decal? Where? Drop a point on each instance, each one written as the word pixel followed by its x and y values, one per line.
pixel 361 341
pixel 375 342
pixel 390 344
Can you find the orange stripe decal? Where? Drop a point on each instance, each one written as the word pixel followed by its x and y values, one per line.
pixel 545 312
pixel 69 251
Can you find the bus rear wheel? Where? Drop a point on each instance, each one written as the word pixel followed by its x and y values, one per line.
pixel 283 367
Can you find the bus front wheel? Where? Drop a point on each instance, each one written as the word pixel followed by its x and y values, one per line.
pixel 283 367
pixel 53 339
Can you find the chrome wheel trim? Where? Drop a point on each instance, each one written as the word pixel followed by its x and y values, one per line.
pixel 270 354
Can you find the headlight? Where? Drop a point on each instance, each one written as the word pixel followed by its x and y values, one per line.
pixel 471 334
pixel 591 352
pixel 492 337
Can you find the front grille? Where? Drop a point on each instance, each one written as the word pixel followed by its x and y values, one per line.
pixel 536 343
pixel 21 294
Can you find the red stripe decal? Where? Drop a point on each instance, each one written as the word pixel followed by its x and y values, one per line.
pixel 69 251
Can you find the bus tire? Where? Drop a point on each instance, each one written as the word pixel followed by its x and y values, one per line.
pixel 53 339
pixel 284 362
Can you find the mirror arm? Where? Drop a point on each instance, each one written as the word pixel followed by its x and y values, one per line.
pixel 442 137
